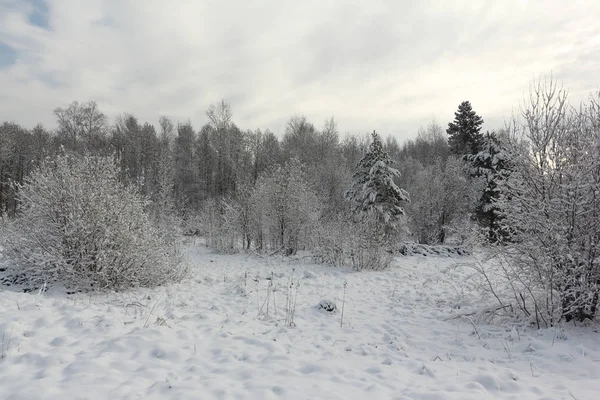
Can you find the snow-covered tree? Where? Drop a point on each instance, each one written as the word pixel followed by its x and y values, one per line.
pixel 186 182
pixel 490 166
pixel 79 226
pixel 373 189
pixel 550 205
pixel 232 223
pixel 300 140
pixel 163 207
pixel 442 198
pixel 221 225
pixel 286 207
pixel 430 145
pixel 377 204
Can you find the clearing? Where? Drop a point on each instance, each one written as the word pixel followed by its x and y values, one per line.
pixel 225 333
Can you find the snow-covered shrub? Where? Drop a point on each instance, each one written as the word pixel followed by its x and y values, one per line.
pixel 359 243
pixel 411 249
pixel 369 246
pixel 550 208
pixel 332 241
pixel 79 226
pixel 191 223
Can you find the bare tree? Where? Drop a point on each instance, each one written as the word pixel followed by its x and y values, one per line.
pixel 300 140
pixel 220 115
pixel 167 129
pixel 80 121
pixel 286 206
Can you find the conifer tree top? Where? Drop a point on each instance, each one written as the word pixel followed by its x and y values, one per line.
pixel 464 131
pixel 374 154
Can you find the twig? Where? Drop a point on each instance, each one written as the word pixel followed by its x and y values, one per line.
pixel 474 327
pixel 508 352
pixel 484 311
pixel 152 310
pixel 4 350
pixel 343 304
pixel 531 367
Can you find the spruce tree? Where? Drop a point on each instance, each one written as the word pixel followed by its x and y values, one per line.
pixel 491 165
pixel 465 137
pixel 373 189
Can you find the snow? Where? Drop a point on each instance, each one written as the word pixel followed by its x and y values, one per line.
pixel 208 338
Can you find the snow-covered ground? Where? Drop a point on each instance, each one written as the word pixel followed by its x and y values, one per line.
pixel 211 337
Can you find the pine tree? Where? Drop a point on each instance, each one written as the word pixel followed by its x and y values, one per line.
pixel 373 189
pixel 464 131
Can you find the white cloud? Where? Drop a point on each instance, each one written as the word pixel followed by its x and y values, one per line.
pixel 385 65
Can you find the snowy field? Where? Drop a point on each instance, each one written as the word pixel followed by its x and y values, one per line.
pixel 212 337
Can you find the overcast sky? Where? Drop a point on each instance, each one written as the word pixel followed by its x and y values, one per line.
pixel 385 65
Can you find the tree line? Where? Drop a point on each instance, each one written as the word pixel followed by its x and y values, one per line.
pixel 219 159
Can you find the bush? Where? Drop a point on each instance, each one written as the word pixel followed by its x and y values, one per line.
pixel 550 208
pixel 79 226
pixel 332 245
pixel 370 247
pixel 361 244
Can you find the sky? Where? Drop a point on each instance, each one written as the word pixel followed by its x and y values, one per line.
pixel 390 66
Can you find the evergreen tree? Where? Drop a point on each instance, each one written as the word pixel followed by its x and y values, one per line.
pixel 491 165
pixel 373 189
pixel 464 131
